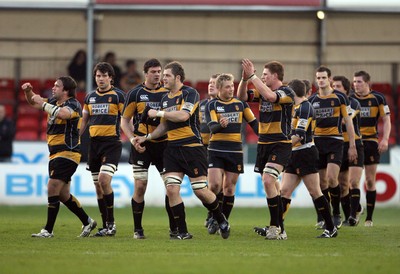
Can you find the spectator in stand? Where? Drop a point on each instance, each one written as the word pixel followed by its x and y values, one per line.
pixel 111 58
pixel 77 69
pixel 7 133
pixel 131 77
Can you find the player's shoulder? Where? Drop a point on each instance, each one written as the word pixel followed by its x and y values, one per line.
pixel 52 101
pixel 338 93
pixel 137 89
pixel 306 103
pixel 378 94
pixel 212 101
pixel 313 96
pixel 286 89
pixel 188 89
pixel 204 101
pixel 342 97
pixel 119 91
pixel 353 100
pixel 237 101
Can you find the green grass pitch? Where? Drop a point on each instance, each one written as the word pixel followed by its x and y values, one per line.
pixel 356 249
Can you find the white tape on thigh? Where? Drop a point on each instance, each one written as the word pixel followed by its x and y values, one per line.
pixel 198 185
pixel 272 171
pixel 95 176
pixel 140 173
pixel 172 180
pixel 108 169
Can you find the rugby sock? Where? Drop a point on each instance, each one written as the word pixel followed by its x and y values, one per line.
pixel 323 207
pixel 137 211
pixel 335 199
pixel 286 205
pixel 327 197
pixel 319 216
pixel 371 199
pixel 345 201
pixel 53 206
pixel 109 199
pixel 326 194
pixel 75 207
pixel 273 206
pixel 220 197
pixel 227 205
pixel 180 216
pixel 355 194
pixel 172 224
pixel 280 213
pixel 103 210
pixel 216 211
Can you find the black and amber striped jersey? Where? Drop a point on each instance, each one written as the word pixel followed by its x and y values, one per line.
pixel 136 101
pixel 354 113
pixel 275 117
pixel 105 109
pixel 329 113
pixel 204 129
pixel 373 106
pixel 63 135
pixel 185 133
pixel 303 125
pixel 228 139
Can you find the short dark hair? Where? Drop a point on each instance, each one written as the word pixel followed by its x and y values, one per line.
pixel 176 69
pixel 298 87
pixel 104 67
pixel 69 85
pixel 151 63
pixel 323 68
pixel 345 82
pixel 276 67
pixel 365 75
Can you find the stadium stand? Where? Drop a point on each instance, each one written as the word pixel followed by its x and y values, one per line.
pixel 7 83
pixel 385 88
pixel 37 87
pixel 26 135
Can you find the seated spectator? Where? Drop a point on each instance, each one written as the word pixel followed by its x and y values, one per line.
pixel 111 58
pixel 7 133
pixel 131 78
pixel 77 69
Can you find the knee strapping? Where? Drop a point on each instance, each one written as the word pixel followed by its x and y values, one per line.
pixel 95 176
pixel 108 169
pixel 140 173
pixel 172 180
pixel 198 185
pixel 272 171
